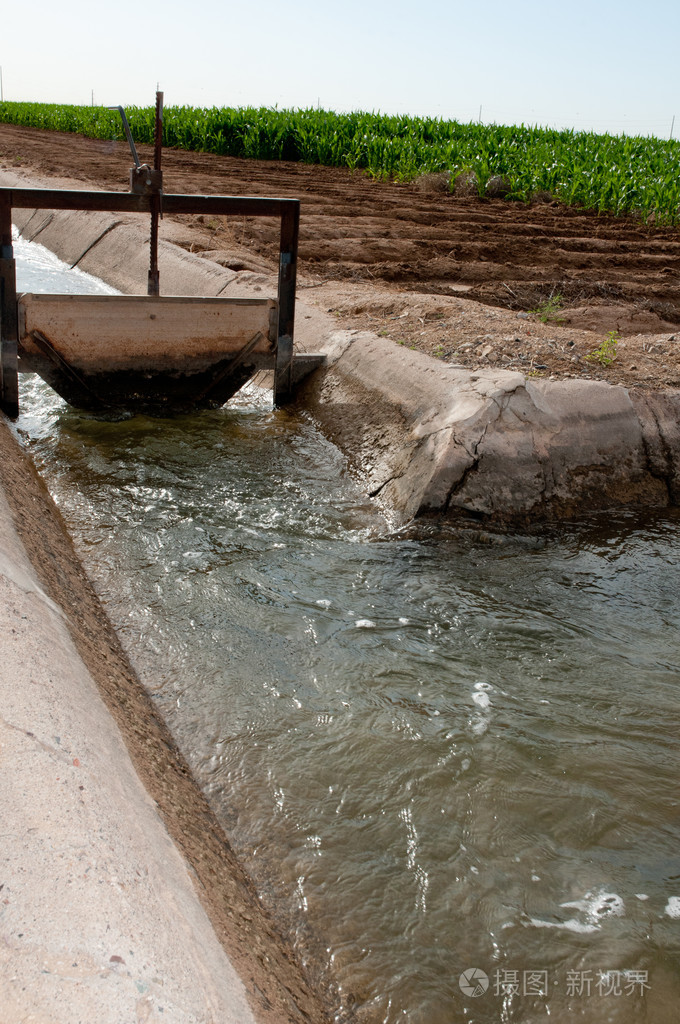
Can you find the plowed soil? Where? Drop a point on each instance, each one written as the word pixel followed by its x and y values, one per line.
pixel 453 275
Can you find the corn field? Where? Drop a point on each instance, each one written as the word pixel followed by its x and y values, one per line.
pixel 610 174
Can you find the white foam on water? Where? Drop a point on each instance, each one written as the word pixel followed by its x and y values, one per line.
pixel 571 926
pixel 364 624
pixel 673 907
pixel 595 906
pixel 479 723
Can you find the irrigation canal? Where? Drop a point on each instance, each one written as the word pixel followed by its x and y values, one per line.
pixel 435 752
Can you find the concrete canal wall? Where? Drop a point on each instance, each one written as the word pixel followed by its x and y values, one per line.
pixel 99 918
pixel 494 444
pixel 426 437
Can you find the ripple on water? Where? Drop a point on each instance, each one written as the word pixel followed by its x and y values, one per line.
pixel 434 750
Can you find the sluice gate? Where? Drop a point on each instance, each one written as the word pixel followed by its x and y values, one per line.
pixel 148 353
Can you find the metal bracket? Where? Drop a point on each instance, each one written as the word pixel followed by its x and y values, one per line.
pixel 145 180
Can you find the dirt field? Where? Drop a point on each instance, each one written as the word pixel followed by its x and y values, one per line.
pixel 451 275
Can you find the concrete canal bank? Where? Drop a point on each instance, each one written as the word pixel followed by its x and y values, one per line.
pixel 120 898
pixel 426 437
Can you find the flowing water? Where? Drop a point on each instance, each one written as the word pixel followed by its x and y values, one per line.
pixel 449 761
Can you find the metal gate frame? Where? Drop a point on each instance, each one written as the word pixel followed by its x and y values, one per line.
pixel 288 210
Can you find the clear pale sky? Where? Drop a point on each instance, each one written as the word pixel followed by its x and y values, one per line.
pixel 600 65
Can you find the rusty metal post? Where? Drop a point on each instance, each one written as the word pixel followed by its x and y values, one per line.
pixel 9 372
pixel 156 199
pixel 290 228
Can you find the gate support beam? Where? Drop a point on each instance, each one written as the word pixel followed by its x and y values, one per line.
pixel 290 229
pixel 9 370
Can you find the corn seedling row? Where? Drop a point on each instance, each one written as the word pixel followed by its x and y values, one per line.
pixel 610 174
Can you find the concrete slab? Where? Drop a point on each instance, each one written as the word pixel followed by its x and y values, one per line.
pixel 99 920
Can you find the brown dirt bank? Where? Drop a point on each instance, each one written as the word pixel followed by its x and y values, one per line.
pixel 278 992
pixel 451 276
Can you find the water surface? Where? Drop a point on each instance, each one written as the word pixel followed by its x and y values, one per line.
pixel 436 752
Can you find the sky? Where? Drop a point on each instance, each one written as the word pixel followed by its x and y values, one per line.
pixel 599 65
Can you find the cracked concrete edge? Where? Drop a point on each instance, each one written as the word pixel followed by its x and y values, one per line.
pixel 425 436
pixel 431 437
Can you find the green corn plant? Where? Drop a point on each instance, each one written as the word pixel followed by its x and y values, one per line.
pixel 604 173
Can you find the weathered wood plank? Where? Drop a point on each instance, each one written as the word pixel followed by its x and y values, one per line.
pixel 104 333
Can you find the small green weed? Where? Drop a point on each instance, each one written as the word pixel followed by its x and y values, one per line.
pixel 605 354
pixel 549 310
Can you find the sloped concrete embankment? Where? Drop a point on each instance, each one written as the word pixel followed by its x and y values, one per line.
pixel 494 444
pixel 119 893
pixel 99 920
pixel 427 437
